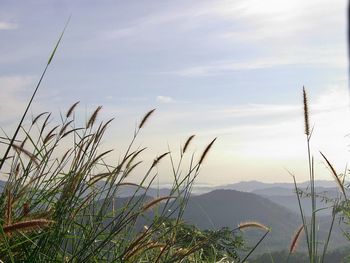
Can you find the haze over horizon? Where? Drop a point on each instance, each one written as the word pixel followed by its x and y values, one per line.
pixel 227 69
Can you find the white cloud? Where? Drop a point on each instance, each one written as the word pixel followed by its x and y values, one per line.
pixel 272 144
pixel 8 26
pixel 333 100
pixel 278 137
pixel 255 19
pixel 270 131
pixel 324 58
pixel 164 99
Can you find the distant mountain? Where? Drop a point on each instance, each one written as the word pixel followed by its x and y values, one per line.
pixel 286 197
pixel 274 191
pixel 284 191
pixel 222 208
pixel 228 208
pixel 260 188
pixel 250 186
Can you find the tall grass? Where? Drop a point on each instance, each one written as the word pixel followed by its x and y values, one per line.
pixel 60 201
pixel 60 206
pixel 316 252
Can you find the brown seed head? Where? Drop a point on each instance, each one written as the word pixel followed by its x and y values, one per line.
pixel 156 201
pixel 187 143
pixel 335 175
pixel 295 239
pixel 38 117
pixel 19 149
pixel 8 211
pixel 29 225
pixel 205 152
pixel 252 224
pixel 145 118
pixel 157 160
pixel 71 109
pixel 306 113
pixel 93 117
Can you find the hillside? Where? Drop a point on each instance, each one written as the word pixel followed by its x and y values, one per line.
pixel 221 208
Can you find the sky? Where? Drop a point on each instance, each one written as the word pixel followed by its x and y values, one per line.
pixel 227 69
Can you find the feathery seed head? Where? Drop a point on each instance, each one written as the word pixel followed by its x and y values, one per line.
pixel 71 109
pixel 295 239
pixel 145 118
pixel 93 117
pixel 252 224
pixel 205 152
pixel 306 113
pixel 187 143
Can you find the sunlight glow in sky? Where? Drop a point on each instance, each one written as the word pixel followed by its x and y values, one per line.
pixel 227 69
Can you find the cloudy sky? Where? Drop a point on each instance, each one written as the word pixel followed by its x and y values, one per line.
pixel 228 69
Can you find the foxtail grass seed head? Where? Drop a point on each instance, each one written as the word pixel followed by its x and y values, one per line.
pixel 38 117
pixel 93 117
pixel 205 152
pixel 187 143
pixel 71 109
pixel 19 149
pixel 295 239
pixel 156 201
pixel 159 158
pixel 64 127
pixel 306 113
pixel 252 224
pixel 8 211
pixel 29 225
pixel 145 118
pixel 335 175
pixel 50 135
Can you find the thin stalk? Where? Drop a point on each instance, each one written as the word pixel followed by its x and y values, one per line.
pixel 32 97
pixel 256 245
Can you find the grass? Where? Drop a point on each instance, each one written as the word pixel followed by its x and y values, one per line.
pixel 60 207
pixel 317 249
pixel 60 201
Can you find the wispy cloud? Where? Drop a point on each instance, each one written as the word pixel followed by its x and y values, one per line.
pixel 164 99
pixel 8 26
pixel 126 99
pixel 324 58
pixel 333 100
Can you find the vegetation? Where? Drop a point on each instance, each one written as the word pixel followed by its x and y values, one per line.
pixel 317 249
pixel 58 203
